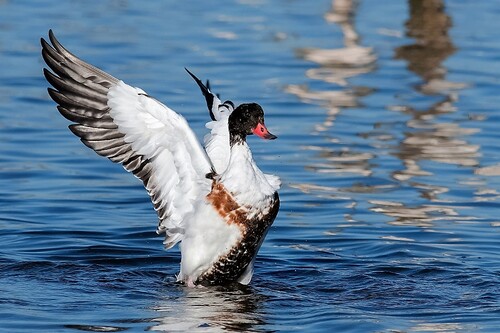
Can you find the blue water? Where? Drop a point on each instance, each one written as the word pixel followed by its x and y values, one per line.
pixel 387 117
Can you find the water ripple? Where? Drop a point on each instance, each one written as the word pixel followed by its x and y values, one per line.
pixel 387 123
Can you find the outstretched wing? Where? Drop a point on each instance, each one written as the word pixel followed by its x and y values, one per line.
pixel 217 141
pixel 129 127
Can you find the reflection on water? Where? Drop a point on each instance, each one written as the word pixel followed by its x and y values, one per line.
pixel 442 327
pixel 428 25
pixel 422 216
pixel 429 139
pixel 390 171
pixel 209 310
pixel 340 161
pixel 427 135
pixel 336 67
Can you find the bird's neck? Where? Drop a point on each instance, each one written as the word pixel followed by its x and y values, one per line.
pixel 243 178
pixel 237 139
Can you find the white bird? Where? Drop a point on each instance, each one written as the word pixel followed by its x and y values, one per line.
pixel 215 201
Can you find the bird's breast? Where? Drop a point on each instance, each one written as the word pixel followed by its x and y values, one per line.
pixel 226 206
pixel 253 223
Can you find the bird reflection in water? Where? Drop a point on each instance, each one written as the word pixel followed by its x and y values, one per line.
pixel 210 310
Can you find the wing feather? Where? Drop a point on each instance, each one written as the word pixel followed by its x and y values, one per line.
pixel 129 127
pixel 217 141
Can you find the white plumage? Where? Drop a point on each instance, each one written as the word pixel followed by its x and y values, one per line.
pixel 178 162
pixel 216 201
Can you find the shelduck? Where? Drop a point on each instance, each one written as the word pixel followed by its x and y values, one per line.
pixel 214 200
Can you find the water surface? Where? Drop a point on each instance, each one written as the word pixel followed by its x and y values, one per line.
pixel 388 132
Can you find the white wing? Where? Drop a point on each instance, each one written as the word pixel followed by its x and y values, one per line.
pixel 129 127
pixel 217 141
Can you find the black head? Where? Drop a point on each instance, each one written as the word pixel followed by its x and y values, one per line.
pixel 248 119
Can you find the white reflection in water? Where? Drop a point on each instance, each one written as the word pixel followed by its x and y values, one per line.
pixel 343 161
pixel 338 65
pixel 422 216
pixel 209 310
pixel 354 56
pixel 491 170
pixel 434 141
pixel 442 327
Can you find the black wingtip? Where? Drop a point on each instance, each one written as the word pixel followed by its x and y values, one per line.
pixel 205 90
pixel 52 37
pixel 44 43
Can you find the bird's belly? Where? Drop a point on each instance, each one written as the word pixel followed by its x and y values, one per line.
pixel 233 264
pixel 222 240
pixel 208 237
